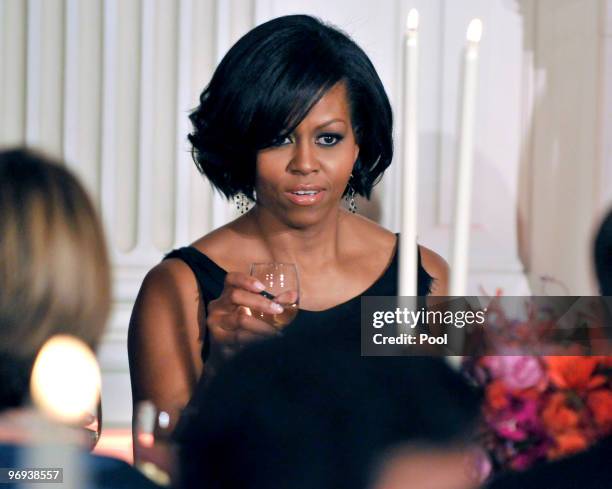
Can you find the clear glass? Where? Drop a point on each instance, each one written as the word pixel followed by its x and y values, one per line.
pixel 154 452
pixel 282 286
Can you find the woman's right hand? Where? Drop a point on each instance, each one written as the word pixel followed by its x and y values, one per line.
pixel 229 317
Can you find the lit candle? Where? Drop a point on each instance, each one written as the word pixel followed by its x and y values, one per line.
pixel 408 244
pixel 463 181
pixel 64 385
pixel 65 382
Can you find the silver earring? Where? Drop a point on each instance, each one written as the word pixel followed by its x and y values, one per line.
pixel 350 198
pixel 242 203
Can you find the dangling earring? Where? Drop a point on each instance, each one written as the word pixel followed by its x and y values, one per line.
pixel 350 197
pixel 242 202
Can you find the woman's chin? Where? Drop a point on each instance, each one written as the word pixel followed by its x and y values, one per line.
pixel 308 217
pixel 301 216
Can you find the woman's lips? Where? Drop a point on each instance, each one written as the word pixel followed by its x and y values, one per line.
pixel 305 197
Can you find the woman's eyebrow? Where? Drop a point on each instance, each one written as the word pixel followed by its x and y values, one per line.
pixel 327 123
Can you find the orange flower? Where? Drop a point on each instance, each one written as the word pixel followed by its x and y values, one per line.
pixel 532 393
pixel 556 416
pixel 497 395
pixel 574 372
pixel 567 443
pixel 600 403
pixel 605 361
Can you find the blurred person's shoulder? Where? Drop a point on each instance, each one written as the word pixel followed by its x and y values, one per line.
pixel 101 472
pixel 112 473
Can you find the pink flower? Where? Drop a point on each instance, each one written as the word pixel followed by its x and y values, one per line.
pixel 518 421
pixel 517 372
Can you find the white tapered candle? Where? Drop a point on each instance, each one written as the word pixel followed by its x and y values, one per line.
pixel 408 245
pixel 465 164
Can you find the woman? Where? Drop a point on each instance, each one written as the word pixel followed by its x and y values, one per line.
pixel 54 269
pixel 295 118
pixel 54 279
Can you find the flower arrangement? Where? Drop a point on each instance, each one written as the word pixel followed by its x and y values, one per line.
pixel 538 407
pixel 543 408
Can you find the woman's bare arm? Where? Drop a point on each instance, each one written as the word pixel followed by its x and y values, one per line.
pixel 163 339
pixel 437 267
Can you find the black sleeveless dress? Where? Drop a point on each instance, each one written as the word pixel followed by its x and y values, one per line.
pixel 210 278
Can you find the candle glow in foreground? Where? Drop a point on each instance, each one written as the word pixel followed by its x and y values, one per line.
pixel 65 381
pixel 408 219
pixel 465 163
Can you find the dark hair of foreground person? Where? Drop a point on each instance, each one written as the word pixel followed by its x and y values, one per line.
pixel 306 410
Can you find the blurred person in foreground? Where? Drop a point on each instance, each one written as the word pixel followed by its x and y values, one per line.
pixel 54 279
pixel 591 469
pixel 305 410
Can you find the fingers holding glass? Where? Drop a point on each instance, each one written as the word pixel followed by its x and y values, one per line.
pixel 282 287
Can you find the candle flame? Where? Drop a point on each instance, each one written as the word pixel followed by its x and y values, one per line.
pixel 474 31
pixel 65 381
pixel 412 21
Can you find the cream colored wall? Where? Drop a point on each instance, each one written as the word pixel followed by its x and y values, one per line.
pixel 567 167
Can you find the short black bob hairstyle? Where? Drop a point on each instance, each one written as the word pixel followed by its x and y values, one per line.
pixel 266 84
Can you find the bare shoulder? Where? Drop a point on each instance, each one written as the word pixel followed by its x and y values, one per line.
pixel 371 234
pixel 170 278
pixel 168 297
pixel 437 268
pixel 215 238
pixel 226 245
pixel 164 335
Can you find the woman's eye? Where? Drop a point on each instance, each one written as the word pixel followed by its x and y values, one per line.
pixel 329 139
pixel 281 141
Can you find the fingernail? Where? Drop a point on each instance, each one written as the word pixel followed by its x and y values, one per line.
pixel 259 286
pixel 277 308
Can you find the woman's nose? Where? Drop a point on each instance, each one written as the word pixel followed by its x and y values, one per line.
pixel 304 159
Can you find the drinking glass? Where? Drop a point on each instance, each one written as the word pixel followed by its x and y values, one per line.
pixel 282 286
pixel 154 450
